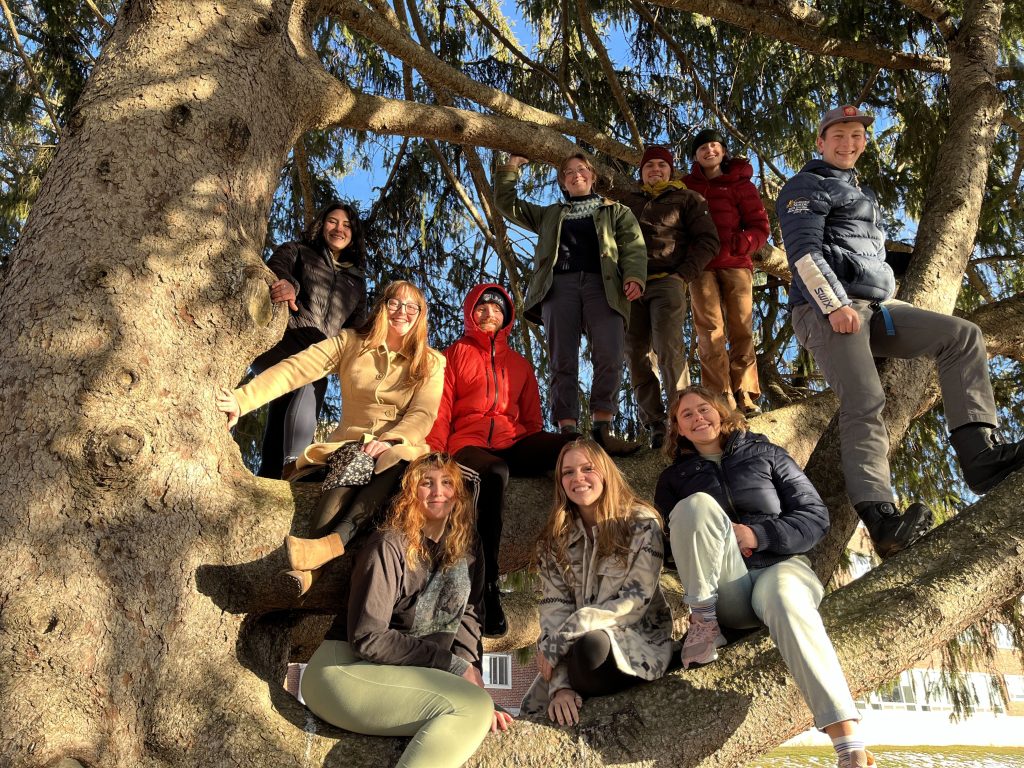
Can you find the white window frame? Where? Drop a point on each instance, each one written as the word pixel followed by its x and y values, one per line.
pixel 497 665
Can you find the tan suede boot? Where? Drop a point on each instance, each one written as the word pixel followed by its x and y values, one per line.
pixel 300 581
pixel 310 554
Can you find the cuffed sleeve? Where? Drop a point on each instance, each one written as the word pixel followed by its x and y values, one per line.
pixel 305 367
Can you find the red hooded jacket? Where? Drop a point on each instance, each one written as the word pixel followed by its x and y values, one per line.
pixel 490 397
pixel 737 211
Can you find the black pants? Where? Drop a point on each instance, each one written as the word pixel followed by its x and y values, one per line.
pixel 346 510
pixel 592 669
pixel 291 419
pixel 531 456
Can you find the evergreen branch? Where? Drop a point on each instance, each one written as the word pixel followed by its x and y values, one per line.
pixel 517 53
pixel 686 63
pixel 364 20
pixel 50 110
pixel 784 30
pixel 587 25
pixel 935 11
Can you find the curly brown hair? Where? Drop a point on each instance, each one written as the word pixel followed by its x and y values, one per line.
pixel 732 421
pixel 407 516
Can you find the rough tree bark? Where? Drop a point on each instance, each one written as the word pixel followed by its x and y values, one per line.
pixel 137 624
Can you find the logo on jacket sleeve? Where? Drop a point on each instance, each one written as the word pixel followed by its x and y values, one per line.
pixel 798 205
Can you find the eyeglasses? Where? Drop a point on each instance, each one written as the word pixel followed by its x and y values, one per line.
pixel 575 172
pixel 394 305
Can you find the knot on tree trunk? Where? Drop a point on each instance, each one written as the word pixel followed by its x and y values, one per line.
pixel 114 456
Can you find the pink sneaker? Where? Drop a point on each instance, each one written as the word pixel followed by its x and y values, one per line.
pixel 702 641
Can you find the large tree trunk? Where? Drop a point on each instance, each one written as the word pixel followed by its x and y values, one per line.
pixel 138 617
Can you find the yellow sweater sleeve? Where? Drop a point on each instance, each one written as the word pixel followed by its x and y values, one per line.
pixel 305 367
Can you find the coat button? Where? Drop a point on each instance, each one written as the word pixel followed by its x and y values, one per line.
pixel 380 376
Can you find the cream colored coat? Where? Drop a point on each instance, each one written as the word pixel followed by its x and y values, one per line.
pixel 378 399
pixel 623 600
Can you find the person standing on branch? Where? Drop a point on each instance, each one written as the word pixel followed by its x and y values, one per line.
pixel 590 263
pixel 321 279
pixel 844 314
pixel 490 421
pixel 680 238
pixel 722 294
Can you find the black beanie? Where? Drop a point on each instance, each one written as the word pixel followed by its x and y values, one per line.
pixel 493 296
pixel 702 138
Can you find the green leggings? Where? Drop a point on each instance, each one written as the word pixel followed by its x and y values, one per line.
pixel 446 715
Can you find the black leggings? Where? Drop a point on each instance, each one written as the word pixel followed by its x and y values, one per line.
pixel 291 418
pixel 531 456
pixel 592 669
pixel 348 509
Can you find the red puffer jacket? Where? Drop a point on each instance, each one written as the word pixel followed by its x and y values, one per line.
pixel 490 397
pixel 737 211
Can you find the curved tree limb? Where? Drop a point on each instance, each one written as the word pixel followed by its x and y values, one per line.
pixel 366 21
pixel 784 30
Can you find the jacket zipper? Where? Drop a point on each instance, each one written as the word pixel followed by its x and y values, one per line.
pixel 725 486
pixel 494 404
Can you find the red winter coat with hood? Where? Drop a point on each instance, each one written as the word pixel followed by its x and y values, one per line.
pixel 490 397
pixel 737 211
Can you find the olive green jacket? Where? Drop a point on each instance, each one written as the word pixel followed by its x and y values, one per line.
pixel 623 253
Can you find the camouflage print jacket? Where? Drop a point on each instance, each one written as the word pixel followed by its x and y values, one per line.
pixel 624 600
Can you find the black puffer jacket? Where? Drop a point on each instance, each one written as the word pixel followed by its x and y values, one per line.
pixel 330 298
pixel 757 484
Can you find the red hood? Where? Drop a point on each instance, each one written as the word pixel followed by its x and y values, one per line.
pixel 474 333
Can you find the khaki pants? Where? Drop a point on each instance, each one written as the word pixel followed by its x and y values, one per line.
pixel 847 361
pixel 656 324
pixel 722 302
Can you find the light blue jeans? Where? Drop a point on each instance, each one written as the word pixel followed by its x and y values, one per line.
pixel 783 597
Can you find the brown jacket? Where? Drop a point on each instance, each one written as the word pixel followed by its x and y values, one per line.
pixel 378 399
pixel 680 234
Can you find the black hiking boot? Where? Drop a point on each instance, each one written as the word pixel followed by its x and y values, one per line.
pixel 890 531
pixel 984 459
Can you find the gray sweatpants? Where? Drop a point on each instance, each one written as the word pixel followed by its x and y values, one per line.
pixel 783 597
pixel 846 360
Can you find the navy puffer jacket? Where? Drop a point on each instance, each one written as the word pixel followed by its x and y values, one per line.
pixel 832 228
pixel 757 484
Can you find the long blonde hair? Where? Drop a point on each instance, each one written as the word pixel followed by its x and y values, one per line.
pixel 407 516
pixel 616 509
pixel 732 421
pixel 414 345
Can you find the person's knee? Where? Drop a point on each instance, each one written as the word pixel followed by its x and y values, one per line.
pixel 694 512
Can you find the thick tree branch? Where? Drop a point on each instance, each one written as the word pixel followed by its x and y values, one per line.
pixel 368 23
pixel 786 31
pixel 301 160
